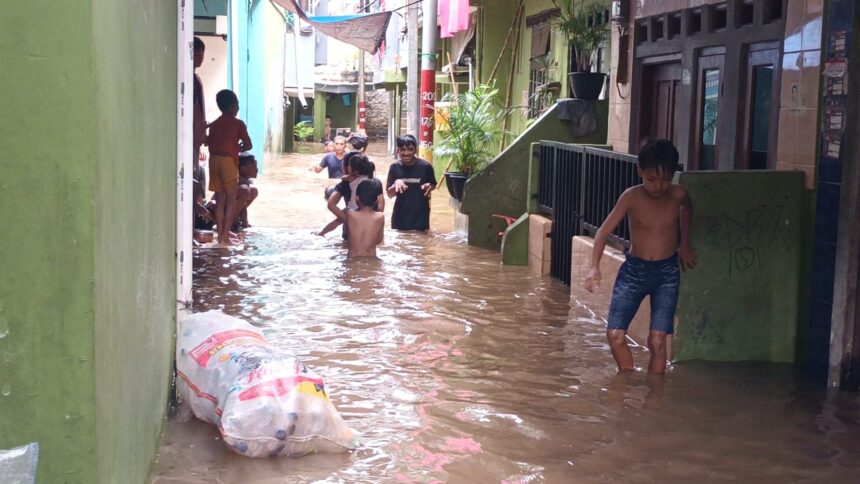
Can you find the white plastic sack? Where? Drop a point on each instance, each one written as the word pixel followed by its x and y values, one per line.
pixel 18 465
pixel 265 402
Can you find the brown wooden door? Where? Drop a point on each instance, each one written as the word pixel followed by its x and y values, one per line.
pixel 760 112
pixel 709 95
pixel 660 84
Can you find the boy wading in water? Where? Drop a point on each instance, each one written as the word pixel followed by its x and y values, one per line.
pixel 365 225
pixel 658 211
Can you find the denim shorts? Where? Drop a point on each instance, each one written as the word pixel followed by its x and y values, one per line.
pixel 638 278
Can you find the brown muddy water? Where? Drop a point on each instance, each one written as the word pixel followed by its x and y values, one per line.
pixel 454 368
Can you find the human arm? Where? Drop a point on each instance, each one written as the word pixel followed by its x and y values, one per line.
pixel 429 180
pixel 685 218
pixel 394 186
pixel 380 203
pixel 615 217
pixel 381 236
pixel 329 227
pixel 333 200
pixel 245 138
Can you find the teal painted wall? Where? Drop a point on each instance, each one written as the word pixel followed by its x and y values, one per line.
pixel 249 43
pixel 742 300
pixel 86 300
pixel 503 187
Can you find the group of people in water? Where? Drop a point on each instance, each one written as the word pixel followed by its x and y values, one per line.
pixel 410 181
pixel 659 211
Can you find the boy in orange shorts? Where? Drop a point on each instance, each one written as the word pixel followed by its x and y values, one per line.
pixel 227 137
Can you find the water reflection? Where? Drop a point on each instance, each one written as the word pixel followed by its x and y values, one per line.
pixel 454 368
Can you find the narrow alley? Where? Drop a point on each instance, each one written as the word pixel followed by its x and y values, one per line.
pixel 455 368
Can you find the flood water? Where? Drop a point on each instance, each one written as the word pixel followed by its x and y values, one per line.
pixel 454 368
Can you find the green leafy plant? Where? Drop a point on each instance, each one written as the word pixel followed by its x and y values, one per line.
pixel 303 130
pixel 583 23
pixel 470 129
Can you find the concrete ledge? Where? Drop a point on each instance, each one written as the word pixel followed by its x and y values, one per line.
pixel 539 244
pixel 598 301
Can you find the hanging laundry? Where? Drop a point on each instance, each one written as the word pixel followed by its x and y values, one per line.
pixel 453 17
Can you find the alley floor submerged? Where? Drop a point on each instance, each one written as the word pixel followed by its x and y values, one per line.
pixel 455 368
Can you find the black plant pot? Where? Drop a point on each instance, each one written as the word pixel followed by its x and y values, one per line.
pixel 456 183
pixel 586 85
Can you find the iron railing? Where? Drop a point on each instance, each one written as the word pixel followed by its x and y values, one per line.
pixel 578 187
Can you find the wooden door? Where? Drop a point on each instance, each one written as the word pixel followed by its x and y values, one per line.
pixel 660 84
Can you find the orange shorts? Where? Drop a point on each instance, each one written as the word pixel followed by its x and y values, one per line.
pixel 223 172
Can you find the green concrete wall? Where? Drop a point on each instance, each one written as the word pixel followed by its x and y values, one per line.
pixel 742 301
pixel 47 354
pixel 135 230
pixel 86 300
pixel 503 187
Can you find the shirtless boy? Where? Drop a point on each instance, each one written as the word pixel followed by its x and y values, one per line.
pixel 365 224
pixel 227 137
pixel 657 211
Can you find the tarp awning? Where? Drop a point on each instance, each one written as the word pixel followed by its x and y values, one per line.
pixel 365 31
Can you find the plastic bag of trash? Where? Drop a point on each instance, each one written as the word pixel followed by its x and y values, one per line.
pixel 264 401
pixel 18 465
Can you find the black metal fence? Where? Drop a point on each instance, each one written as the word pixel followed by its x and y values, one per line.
pixel 578 187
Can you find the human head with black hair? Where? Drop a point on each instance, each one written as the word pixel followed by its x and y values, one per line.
pixel 658 161
pixel 368 192
pixel 406 147
pixel 199 51
pixel 358 164
pixel 358 142
pixel 658 154
pixel 247 165
pixel 227 102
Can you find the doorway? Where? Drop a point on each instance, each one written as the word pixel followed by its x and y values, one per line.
pixel 660 88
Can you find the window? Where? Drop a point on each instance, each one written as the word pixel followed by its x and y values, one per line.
pixel 718 17
pixel 772 11
pixel 744 13
pixel 694 21
pixel 674 25
pixel 708 105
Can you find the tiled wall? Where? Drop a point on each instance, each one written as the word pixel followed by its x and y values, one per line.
pixel 801 74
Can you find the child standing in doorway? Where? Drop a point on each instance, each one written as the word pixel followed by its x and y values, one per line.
pixel 227 137
pixel 659 213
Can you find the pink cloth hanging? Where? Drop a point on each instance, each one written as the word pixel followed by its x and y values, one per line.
pixel 453 17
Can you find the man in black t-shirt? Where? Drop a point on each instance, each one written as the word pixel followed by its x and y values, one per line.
pixel 411 180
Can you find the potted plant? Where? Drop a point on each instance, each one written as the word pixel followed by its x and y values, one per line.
pixel 583 22
pixel 469 130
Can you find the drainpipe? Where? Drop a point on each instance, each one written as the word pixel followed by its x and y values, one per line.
pixel 428 81
pixel 412 113
pixel 362 105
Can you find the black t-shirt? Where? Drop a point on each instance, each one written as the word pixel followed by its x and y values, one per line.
pixel 334 165
pixel 411 208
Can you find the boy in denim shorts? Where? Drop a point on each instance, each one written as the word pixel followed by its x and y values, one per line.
pixel 658 212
